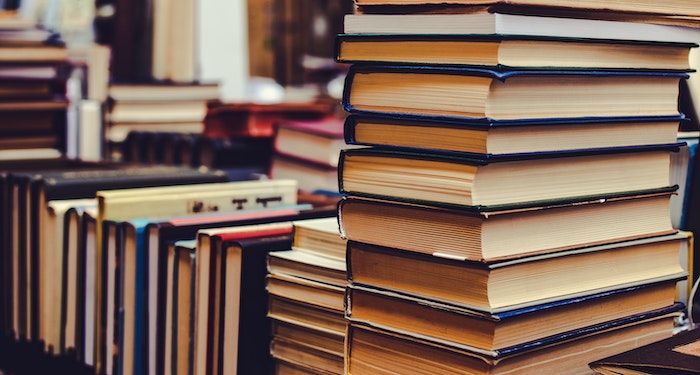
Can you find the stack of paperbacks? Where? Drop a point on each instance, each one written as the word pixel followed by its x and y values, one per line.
pixel 33 73
pixel 307 287
pixel 156 107
pixel 512 214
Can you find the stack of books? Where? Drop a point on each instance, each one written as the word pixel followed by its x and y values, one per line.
pixel 512 214
pixel 309 151
pixel 33 105
pixel 306 287
pixel 175 108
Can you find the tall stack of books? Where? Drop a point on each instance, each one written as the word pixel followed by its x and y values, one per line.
pixel 151 108
pixel 306 287
pixel 33 74
pixel 512 214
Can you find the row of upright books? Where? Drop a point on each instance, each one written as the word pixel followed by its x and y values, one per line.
pixel 511 214
pixel 134 270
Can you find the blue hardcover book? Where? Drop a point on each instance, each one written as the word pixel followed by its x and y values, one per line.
pixel 499 138
pixel 484 95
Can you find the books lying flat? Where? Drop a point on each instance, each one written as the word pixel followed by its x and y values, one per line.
pixel 307 266
pixel 327 342
pixel 483 181
pixel 518 283
pixel 320 237
pixel 512 52
pixel 306 315
pixel 674 7
pixel 528 94
pixel 487 235
pixel 495 332
pixel 494 138
pixel 372 351
pixel 163 92
pixel 306 291
pixel 315 361
pixel 675 355
pixel 317 141
pixel 494 22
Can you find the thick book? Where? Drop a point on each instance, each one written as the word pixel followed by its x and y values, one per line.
pixel 482 234
pixel 676 355
pixel 523 282
pixel 370 350
pixel 512 52
pixel 487 180
pixel 532 22
pixel 318 141
pixel 500 138
pixel 307 315
pixel 492 332
pixel 308 266
pixel 483 94
pixel 320 237
pixel 160 233
pixel 312 176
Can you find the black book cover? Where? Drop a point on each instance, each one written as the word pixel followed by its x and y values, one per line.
pixel 254 328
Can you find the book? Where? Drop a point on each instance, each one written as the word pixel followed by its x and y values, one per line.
pixel 320 237
pixel 316 361
pixel 488 94
pixel 306 315
pixel 523 282
pixel 226 120
pixel 479 235
pixel 513 23
pixel 163 92
pixel 512 52
pixel 485 181
pixel 306 291
pixel 224 153
pixel 492 332
pixel 370 350
pixel 307 266
pixel 311 176
pixel 493 138
pixel 317 141
pixel 671 8
pixel 183 305
pixel 674 355
pixel 682 171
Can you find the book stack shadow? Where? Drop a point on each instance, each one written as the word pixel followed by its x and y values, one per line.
pixel 507 216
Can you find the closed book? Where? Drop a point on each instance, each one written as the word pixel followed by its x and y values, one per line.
pixel 479 234
pixel 497 138
pixel 493 332
pixel 483 94
pixel 487 180
pixel 370 350
pixel 675 355
pixel 513 284
pixel 512 52
pixel 318 141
